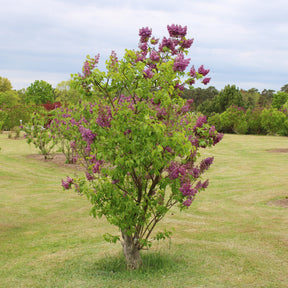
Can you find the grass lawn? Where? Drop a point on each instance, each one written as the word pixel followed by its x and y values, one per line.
pixel 232 235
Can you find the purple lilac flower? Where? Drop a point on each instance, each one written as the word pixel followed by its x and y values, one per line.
pixel 167 43
pixel 212 131
pixel 143 46
pixel 205 164
pixel 195 172
pixel 186 43
pixel 68 183
pixel 218 138
pixel 177 30
pixel 73 144
pixel 113 58
pixel 200 121
pixel 96 167
pixel 154 41
pixel 140 57
pixel 148 73
pixel 154 56
pixel 115 181
pixel 193 72
pixel 186 189
pixel 175 170
pixel 188 202
pixel 188 106
pixel 181 87
pixel 162 112
pixel 86 69
pixel 206 80
pixel 127 132
pixel 180 64
pixel 87 135
pixel 145 34
pixel 203 71
pixel 205 184
pixel 104 117
pixel 168 149
pixel 89 176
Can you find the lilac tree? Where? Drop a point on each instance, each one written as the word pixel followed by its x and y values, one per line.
pixel 140 141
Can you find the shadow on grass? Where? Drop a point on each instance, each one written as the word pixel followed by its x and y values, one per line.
pixel 113 267
pixel 153 262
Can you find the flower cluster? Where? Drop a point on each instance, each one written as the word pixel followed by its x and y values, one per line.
pixel 87 135
pixel 104 116
pixel 145 34
pixel 184 172
pixel 187 106
pixel 148 73
pixel 68 183
pixel 177 30
pixel 89 65
pixel 180 64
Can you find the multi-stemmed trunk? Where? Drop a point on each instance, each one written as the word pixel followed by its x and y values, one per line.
pixel 131 251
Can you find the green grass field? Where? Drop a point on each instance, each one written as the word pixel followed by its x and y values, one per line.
pixel 230 237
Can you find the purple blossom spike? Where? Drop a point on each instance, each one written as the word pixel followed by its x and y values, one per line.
pixel 177 30
pixel 205 164
pixel 104 117
pixel 188 202
pixel 89 176
pixel 186 43
pixel 186 189
pixel 145 34
pixel 203 71
pixel 87 135
pixel 154 56
pixel 68 183
pixel 154 41
pixel 188 106
pixel 148 73
pixel 180 64
pixel 96 167
pixel 168 43
pixel 206 80
pixel 193 72
pixel 200 121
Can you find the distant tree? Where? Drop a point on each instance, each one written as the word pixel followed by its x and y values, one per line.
pixel 66 94
pixel 279 99
pixel 200 95
pixel 233 120
pixel 9 98
pixel 285 88
pixel 274 121
pixel 266 97
pixel 22 95
pixel 250 97
pixel 207 108
pixel 39 92
pixel 5 84
pixel 227 97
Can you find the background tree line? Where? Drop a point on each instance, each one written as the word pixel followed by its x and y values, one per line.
pixel 234 110
pixel 19 105
pixel 231 110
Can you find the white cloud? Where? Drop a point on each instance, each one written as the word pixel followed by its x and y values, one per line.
pixel 240 40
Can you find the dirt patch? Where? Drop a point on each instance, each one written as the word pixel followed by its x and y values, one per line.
pixel 280 202
pixel 278 150
pixel 58 159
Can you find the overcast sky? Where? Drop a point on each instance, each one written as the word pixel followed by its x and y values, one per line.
pixel 243 42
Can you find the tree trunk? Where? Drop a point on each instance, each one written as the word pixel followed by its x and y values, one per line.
pixel 131 252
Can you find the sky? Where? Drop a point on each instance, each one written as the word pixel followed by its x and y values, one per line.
pixel 242 42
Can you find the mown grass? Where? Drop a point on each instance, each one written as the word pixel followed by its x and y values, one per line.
pixel 230 237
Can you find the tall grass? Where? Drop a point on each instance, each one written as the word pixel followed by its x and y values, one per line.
pixel 230 237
